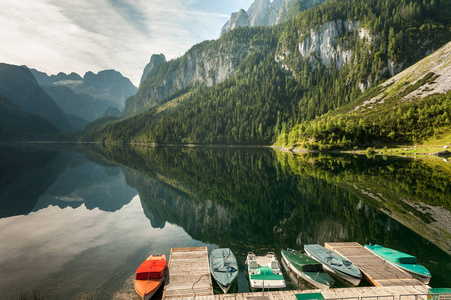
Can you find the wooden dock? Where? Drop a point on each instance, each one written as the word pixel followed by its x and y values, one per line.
pixel 189 279
pixel 377 271
pixel 356 293
pixel 189 274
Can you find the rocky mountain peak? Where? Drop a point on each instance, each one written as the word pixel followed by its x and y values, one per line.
pixel 260 13
pixel 237 19
pixel 155 59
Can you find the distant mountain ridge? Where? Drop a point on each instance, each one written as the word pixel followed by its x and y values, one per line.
pixel 108 86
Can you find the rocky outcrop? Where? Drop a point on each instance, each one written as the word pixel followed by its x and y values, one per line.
pixel 283 10
pixel 154 60
pixel 321 45
pixel 238 19
pixel 324 45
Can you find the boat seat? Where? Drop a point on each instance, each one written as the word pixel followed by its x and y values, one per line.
pixel 274 265
pixel 253 265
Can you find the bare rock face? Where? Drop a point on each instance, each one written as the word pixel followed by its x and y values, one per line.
pixel 154 60
pixel 238 19
pixel 260 13
pixel 321 44
pixel 200 65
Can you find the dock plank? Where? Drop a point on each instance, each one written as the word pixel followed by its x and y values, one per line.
pixel 189 274
pixel 374 268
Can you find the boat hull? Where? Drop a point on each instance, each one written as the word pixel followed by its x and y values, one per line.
pixel 146 289
pixel 303 275
pixel 347 277
pixel 352 280
pixel 223 268
pixel 150 276
pixel 405 267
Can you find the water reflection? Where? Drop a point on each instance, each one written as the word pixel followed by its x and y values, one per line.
pixel 80 229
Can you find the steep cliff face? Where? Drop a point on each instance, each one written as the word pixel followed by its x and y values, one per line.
pixel 238 19
pixel 325 45
pixel 209 63
pixel 321 45
pixel 154 60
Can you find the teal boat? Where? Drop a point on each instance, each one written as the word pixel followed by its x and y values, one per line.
pixel 307 268
pixel 403 261
pixel 264 271
pixel 334 263
pixel 223 268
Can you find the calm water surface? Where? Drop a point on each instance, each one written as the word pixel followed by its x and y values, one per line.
pixel 76 222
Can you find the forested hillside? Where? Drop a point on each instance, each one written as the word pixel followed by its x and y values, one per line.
pixel 412 107
pixel 321 60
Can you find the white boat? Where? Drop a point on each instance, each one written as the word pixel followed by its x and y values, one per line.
pixel 264 271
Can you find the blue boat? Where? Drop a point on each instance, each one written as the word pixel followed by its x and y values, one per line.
pixel 334 263
pixel 223 268
pixel 403 261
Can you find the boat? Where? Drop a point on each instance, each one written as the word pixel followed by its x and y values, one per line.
pixel 264 271
pixel 223 268
pixel 307 268
pixel 334 263
pixel 150 276
pixel 403 261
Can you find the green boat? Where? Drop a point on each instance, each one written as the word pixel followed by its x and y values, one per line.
pixel 223 268
pixel 403 261
pixel 307 268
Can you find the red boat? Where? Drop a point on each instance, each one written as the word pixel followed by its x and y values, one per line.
pixel 150 276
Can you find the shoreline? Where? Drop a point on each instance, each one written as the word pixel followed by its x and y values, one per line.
pixel 439 151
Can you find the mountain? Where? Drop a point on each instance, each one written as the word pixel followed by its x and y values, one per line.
pixel 90 96
pixel 46 80
pixel 208 63
pixel 255 83
pixel 78 104
pixel 411 107
pixel 16 123
pixel 19 86
pixel 267 13
pixel 108 85
pixel 155 59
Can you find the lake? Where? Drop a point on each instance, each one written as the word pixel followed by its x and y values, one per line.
pixel 76 221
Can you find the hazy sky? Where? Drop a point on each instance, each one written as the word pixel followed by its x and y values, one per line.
pixel 92 35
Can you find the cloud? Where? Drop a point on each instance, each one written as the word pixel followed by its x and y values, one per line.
pixel 85 35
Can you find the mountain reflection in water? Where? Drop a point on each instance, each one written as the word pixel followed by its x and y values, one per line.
pixel 79 229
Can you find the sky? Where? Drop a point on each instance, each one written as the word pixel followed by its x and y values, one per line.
pixel 67 36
